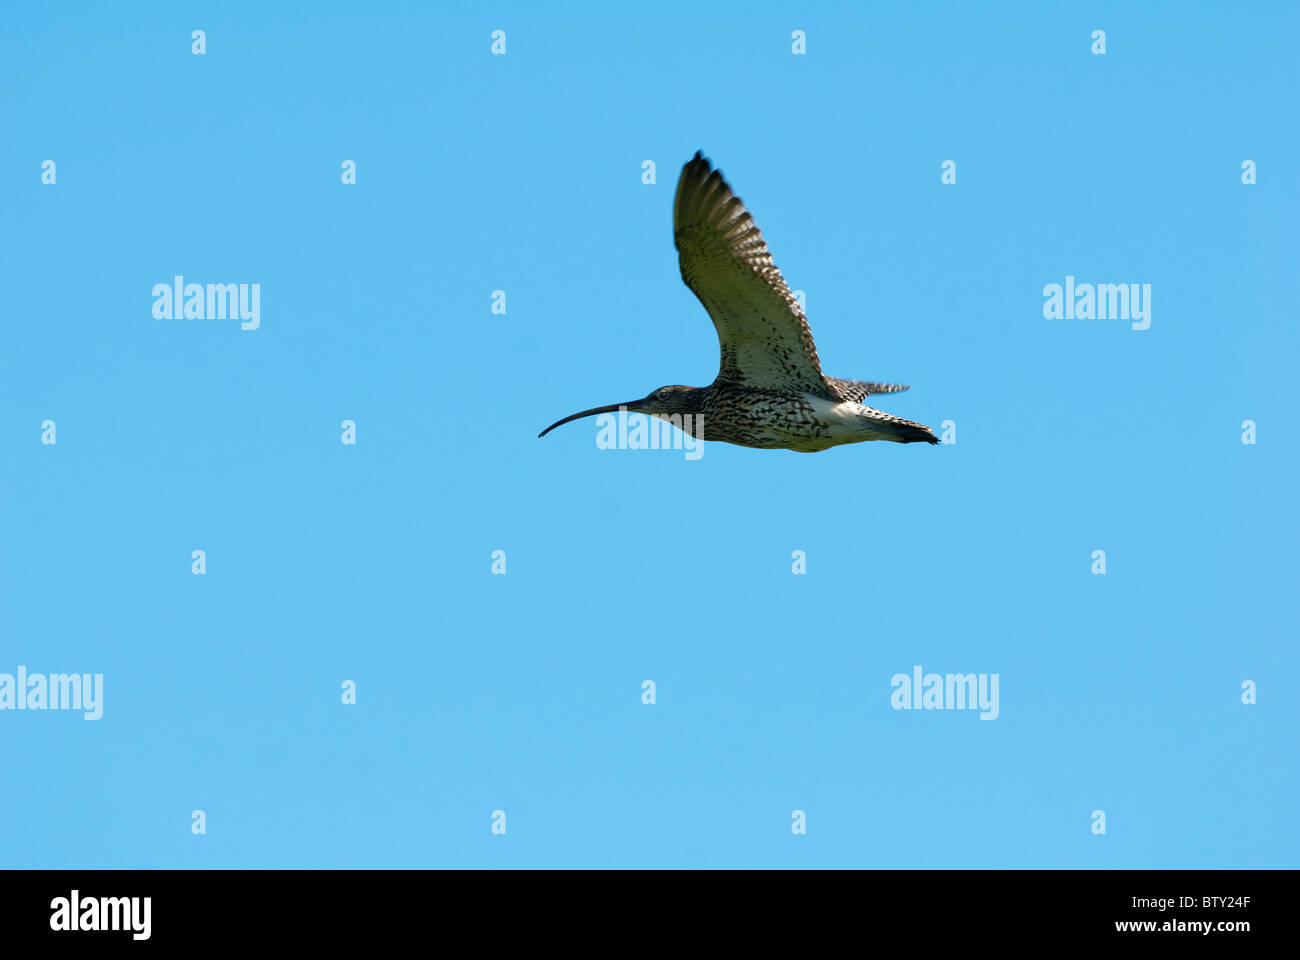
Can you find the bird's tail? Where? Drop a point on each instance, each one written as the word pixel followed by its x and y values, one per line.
pixel 915 433
pixel 886 426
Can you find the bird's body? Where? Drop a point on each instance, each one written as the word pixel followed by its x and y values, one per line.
pixel 776 419
pixel 770 391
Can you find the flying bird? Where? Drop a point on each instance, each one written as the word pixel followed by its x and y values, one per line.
pixel 770 391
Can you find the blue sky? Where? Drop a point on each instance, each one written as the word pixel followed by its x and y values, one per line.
pixel 372 562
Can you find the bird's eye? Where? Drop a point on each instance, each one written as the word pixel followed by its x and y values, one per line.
pixel 663 394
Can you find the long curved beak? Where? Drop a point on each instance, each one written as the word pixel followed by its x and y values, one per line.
pixel 631 406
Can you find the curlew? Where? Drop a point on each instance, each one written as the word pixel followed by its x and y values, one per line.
pixel 770 391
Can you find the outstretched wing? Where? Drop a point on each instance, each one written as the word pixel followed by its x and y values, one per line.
pixel 762 330
pixel 859 390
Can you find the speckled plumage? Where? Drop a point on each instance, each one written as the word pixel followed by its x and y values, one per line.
pixel 770 391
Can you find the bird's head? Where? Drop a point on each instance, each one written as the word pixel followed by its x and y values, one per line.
pixel 676 398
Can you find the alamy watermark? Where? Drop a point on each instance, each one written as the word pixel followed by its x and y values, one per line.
pixel 75 913
pixel 946 691
pixel 58 691
pixel 214 301
pixel 672 431
pixel 1098 301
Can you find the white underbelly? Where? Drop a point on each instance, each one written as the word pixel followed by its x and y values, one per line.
pixel 845 420
pixel 838 421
